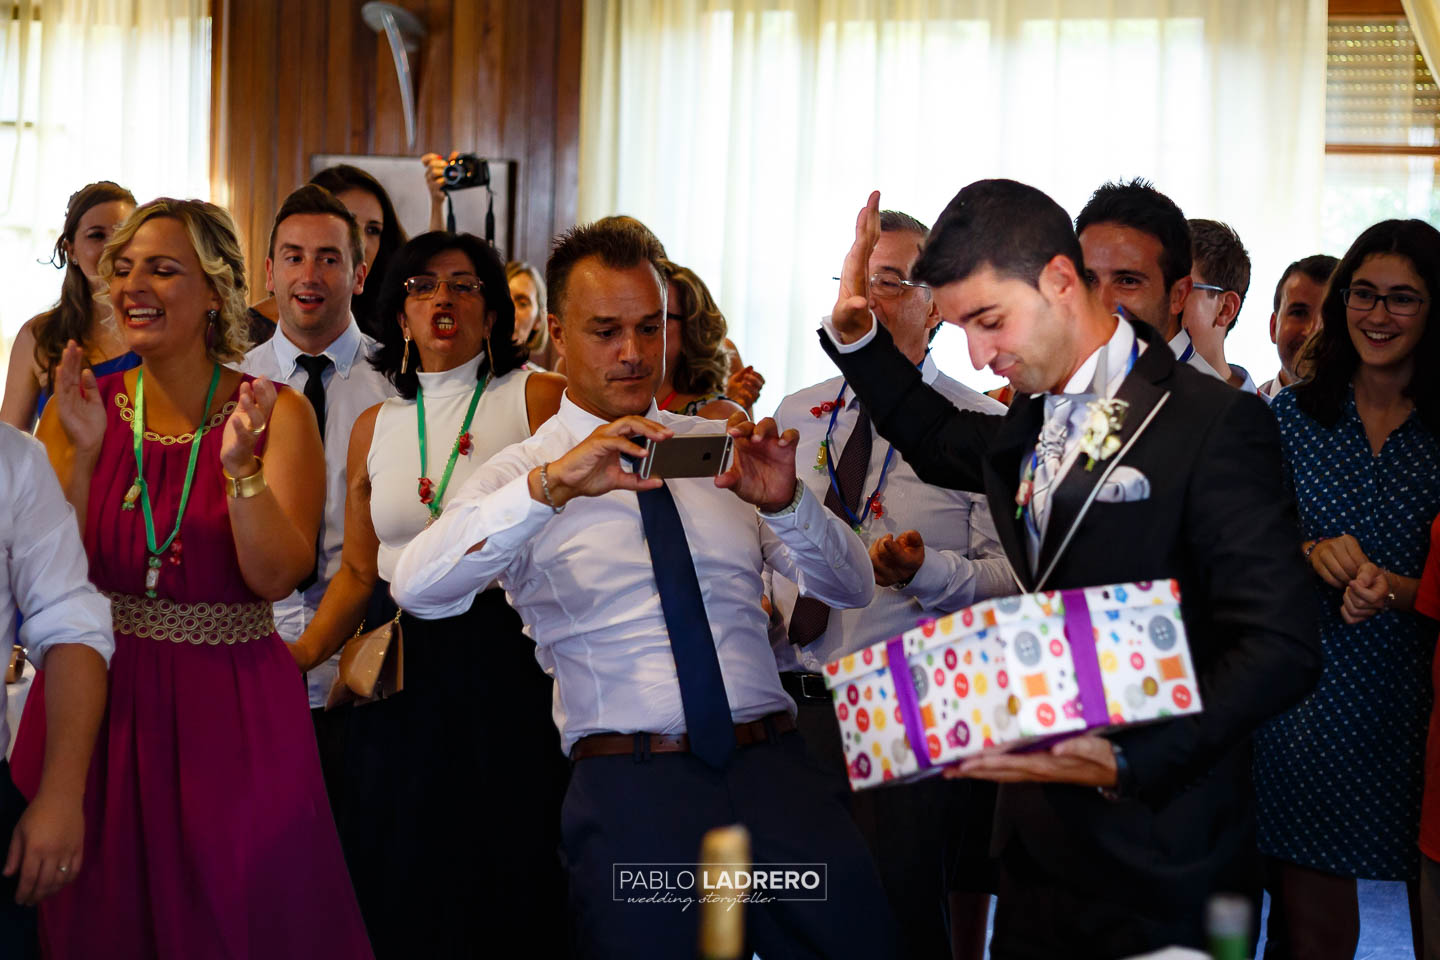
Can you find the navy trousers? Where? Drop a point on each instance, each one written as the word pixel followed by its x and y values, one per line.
pixel 654 809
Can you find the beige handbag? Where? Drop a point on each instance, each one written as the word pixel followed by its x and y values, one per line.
pixel 372 666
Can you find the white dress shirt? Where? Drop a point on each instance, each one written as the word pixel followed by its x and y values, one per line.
pixel 583 582
pixel 1185 352
pixel 1247 384
pixel 1271 389
pixel 352 386
pixel 44 573
pixel 964 561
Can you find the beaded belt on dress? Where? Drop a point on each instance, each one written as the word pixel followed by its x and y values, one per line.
pixel 199 623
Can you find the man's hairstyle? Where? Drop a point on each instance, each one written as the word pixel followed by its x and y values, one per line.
pixel 1010 227
pixel 1220 258
pixel 1330 357
pixel 312 198
pixel 619 242
pixel 1138 205
pixel 893 221
pixel 1317 267
pixel 502 356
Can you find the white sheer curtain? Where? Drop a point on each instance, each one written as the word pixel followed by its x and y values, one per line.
pixel 93 90
pixel 748 132
pixel 1424 17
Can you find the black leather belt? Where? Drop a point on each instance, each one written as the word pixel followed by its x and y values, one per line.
pixel 804 686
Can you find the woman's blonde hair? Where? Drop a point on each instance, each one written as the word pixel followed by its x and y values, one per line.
pixel 214 238
pixel 539 337
pixel 704 363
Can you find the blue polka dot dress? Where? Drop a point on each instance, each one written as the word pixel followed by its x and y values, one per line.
pixel 1338 778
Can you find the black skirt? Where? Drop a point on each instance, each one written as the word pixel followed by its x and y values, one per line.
pixel 451 809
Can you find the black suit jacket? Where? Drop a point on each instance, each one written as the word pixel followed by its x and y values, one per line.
pixel 1218 520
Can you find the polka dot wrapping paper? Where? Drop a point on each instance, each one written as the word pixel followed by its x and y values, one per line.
pixel 1001 675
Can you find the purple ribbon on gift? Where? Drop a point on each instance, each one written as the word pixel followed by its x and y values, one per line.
pixel 1083 654
pixel 909 701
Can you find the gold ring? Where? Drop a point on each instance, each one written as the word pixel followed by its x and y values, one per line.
pixel 256 433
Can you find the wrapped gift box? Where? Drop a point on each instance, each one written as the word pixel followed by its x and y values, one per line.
pixel 1012 673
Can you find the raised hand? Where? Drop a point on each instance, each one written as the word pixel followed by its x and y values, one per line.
pixel 762 469
pixel 1338 560
pixel 1366 594
pixel 593 468
pixel 744 387
pixel 77 400
pixel 243 429
pixel 897 559
pixel 851 315
pixel 435 174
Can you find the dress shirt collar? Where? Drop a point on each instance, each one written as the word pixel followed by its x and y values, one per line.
pixel 446 383
pixel 581 423
pixel 343 350
pixel 1110 363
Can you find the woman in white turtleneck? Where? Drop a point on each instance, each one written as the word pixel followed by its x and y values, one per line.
pixel 449 806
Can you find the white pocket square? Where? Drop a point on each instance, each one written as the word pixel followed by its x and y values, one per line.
pixel 1124 485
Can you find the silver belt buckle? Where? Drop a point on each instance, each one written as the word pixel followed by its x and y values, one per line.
pixel 812 685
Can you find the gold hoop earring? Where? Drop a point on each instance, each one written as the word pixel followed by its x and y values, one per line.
pixel 405 356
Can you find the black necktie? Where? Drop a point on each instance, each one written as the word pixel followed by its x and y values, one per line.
pixel 697 665
pixel 315 392
pixel 315 368
pixel 810 616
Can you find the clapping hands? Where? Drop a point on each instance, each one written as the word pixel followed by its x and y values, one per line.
pixel 77 400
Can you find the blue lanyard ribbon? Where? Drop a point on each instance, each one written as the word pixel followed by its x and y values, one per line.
pixel 855 521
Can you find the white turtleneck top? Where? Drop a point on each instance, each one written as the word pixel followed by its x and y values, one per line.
pixel 501 418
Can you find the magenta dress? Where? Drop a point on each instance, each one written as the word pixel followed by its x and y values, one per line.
pixel 207 829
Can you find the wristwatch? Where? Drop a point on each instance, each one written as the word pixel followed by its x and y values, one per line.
pixel 1124 777
pixel 789 508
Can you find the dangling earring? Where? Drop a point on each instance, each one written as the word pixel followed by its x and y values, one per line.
pixel 212 329
pixel 405 357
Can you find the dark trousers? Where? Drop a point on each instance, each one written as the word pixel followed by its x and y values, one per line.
pixel 330 727
pixel 655 808
pixel 18 925
pixel 926 838
pixel 1039 919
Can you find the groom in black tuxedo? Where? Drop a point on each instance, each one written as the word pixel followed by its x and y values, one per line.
pixel 1109 845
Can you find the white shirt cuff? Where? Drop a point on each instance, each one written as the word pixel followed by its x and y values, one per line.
pixel 828 326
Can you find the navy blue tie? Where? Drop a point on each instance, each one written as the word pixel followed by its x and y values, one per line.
pixel 697 666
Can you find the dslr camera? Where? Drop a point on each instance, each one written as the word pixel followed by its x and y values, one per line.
pixel 466 171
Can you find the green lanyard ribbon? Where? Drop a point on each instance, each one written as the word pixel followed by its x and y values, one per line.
pixel 436 495
pixel 152 576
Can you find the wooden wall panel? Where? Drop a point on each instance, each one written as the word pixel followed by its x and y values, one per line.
pixel 294 78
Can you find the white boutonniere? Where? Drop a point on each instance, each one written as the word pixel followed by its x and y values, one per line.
pixel 1099 438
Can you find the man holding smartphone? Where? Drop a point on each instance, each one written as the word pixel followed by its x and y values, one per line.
pixel 642 596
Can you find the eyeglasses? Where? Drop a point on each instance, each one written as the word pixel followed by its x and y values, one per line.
pixel 1213 288
pixel 423 288
pixel 1396 304
pixel 887 286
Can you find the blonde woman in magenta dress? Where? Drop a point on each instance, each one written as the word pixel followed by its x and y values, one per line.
pixel 207 830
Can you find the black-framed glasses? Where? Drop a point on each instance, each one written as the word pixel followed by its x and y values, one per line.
pixel 1212 287
pixel 1397 304
pixel 423 288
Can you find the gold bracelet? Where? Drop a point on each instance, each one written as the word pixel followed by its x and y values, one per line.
pixel 238 488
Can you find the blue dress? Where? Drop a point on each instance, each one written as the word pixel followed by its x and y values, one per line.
pixel 125 361
pixel 1338 778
